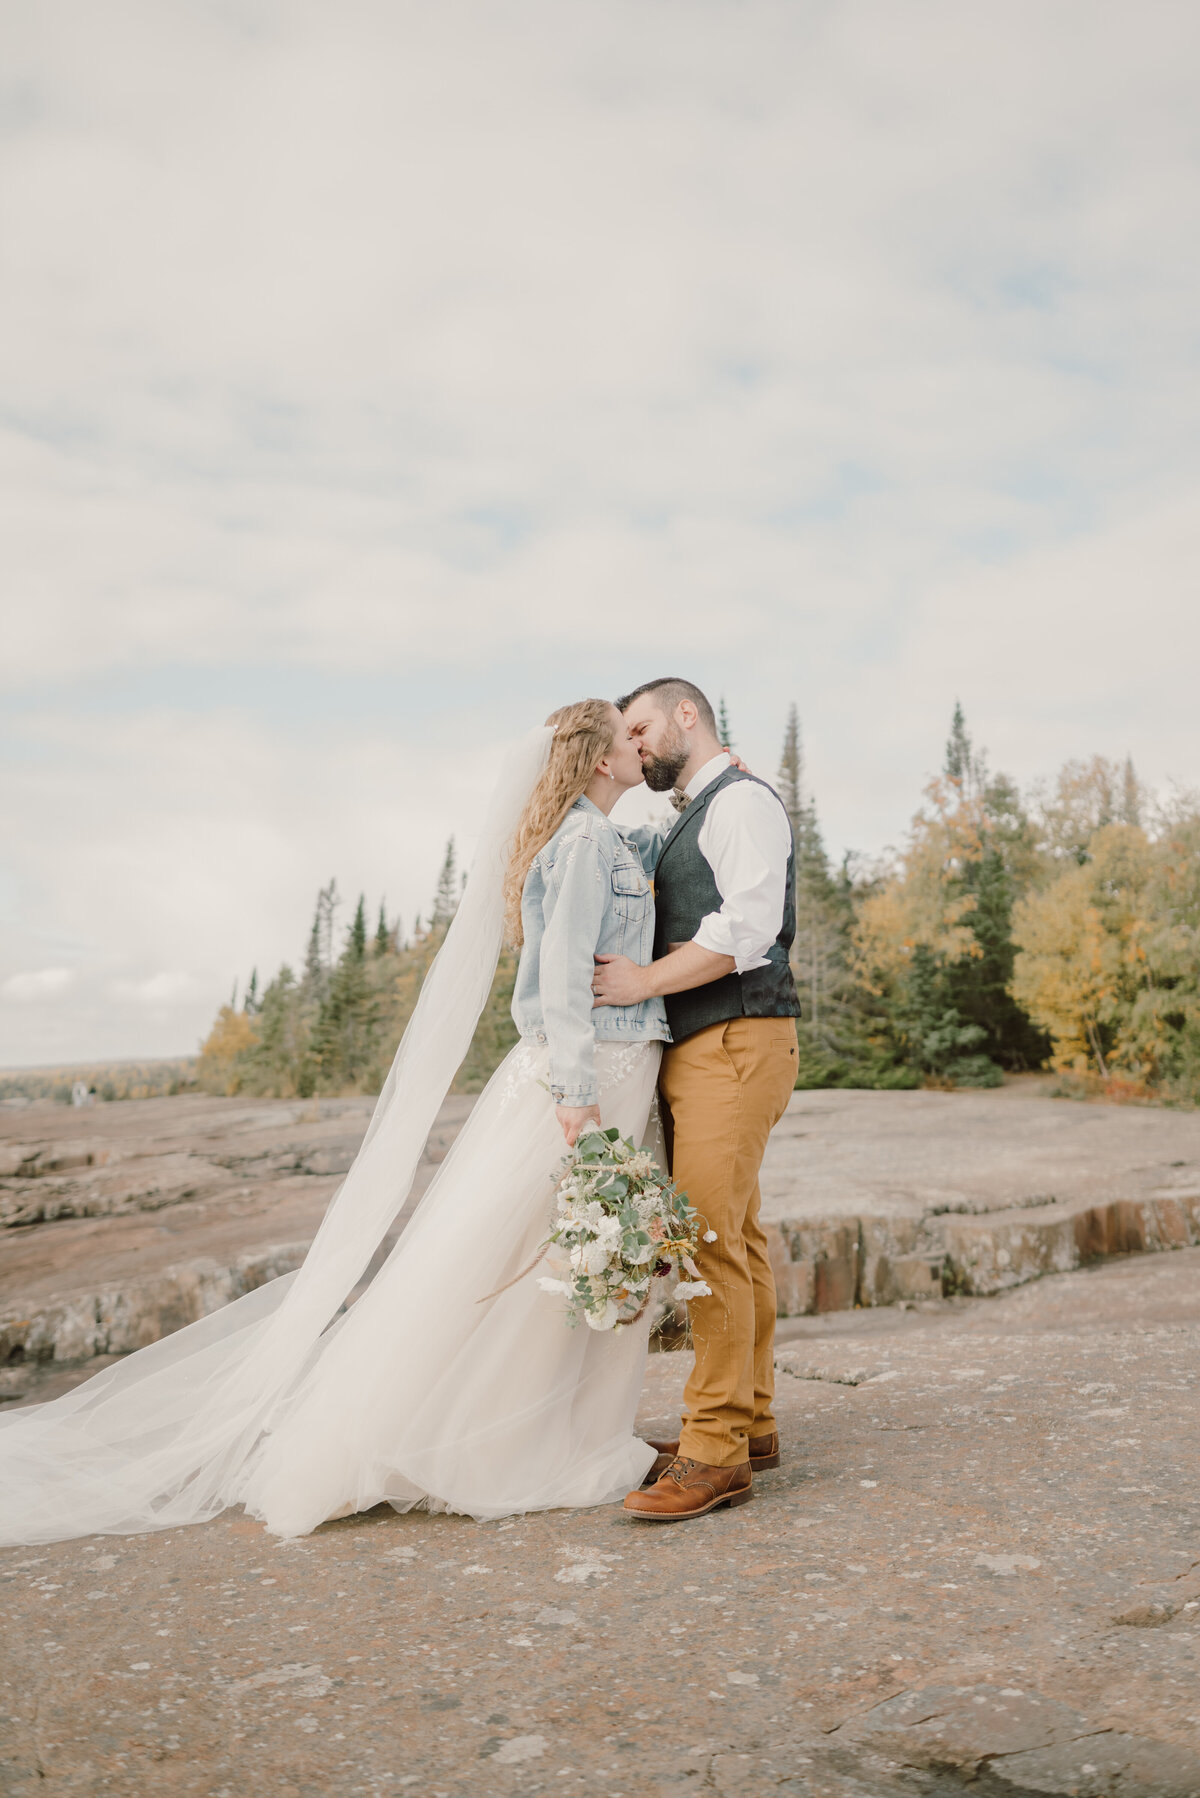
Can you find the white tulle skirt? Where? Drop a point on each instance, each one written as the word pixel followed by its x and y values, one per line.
pixel 422 1395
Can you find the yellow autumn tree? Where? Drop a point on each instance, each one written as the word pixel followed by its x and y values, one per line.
pixel 924 900
pixel 1082 954
pixel 217 1070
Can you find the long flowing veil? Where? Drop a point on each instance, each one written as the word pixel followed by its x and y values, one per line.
pixel 162 1438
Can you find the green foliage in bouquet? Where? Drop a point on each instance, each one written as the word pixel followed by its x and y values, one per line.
pixel 620 1224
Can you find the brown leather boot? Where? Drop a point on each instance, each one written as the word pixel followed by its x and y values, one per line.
pixel 690 1489
pixel 764 1453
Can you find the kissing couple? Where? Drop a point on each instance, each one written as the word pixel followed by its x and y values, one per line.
pixel 454 1383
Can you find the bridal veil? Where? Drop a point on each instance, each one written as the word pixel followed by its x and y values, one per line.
pixel 162 1438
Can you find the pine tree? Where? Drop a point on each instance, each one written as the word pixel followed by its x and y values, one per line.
pixel 959 762
pixel 348 1019
pixel 384 939
pixel 445 899
pixel 356 945
pixel 250 1004
pixel 833 1031
pixel 313 968
pixel 723 730
pixel 318 961
pixel 791 767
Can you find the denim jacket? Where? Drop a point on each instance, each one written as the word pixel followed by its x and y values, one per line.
pixel 585 895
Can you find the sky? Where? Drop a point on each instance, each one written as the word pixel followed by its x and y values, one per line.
pixel 374 378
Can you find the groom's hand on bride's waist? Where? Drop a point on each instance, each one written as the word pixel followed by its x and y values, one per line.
pixel 619 981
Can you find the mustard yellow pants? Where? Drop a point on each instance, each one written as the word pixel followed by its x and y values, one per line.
pixel 724 1089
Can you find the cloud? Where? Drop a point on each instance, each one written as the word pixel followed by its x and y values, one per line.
pixel 38 985
pixel 377 377
pixel 163 989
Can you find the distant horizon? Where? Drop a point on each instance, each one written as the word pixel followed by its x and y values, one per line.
pixel 96 1061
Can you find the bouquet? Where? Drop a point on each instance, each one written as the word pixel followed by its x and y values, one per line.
pixel 619 1225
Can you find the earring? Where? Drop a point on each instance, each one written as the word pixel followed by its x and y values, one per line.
pixel 611 775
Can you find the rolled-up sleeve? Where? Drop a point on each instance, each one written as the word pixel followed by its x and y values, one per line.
pixel 576 896
pixel 746 840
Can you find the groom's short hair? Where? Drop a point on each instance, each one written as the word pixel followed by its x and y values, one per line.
pixel 669 691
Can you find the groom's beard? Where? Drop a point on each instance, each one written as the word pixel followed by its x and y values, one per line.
pixel 662 771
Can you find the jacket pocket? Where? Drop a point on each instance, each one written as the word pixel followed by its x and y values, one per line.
pixel 631 889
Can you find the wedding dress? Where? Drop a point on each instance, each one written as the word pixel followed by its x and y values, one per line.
pixel 436 1388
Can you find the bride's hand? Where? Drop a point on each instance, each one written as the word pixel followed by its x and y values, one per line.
pixel 574 1118
pixel 737 761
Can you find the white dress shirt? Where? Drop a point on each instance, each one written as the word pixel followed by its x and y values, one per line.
pixel 746 840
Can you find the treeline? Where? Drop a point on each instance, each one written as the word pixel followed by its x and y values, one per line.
pixel 1009 932
pixel 107 1080
pixel 334 1027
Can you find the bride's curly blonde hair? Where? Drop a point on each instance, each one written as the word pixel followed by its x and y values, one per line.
pixel 583 736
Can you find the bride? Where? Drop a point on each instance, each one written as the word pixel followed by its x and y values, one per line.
pixel 454 1383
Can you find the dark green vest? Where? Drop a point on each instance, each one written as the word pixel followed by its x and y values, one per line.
pixel 685 891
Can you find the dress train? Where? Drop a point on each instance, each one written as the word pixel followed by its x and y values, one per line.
pixel 421 1395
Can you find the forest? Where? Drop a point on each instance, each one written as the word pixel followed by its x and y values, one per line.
pixel 1057 928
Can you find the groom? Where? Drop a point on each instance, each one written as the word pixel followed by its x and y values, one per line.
pixel 725 919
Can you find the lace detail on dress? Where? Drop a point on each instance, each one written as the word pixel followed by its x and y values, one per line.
pixel 523 1067
pixel 616 1061
pixel 530 1062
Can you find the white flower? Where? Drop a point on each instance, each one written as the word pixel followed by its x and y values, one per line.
pixel 709 1236
pixel 692 1289
pixel 603 1320
pixel 590 1257
pixel 563 1286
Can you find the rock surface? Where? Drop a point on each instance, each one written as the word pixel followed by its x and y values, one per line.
pixel 872 1198
pixel 120 1223
pixel 125 1221
pixel 977 1571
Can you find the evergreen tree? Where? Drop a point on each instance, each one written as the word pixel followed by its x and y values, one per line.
pixel 384 939
pixel 936 938
pixel 959 763
pixel 791 766
pixel 723 730
pixel 818 958
pixel 978 985
pixel 279 1063
pixel 250 1003
pixel 348 1019
pixel 445 899
pixel 313 969
pixel 357 944
pixel 318 961
pixel 834 1027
